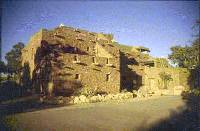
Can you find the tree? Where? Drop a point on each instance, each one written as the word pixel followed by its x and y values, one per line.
pixel 186 56
pixel 14 58
pixel 3 68
pixel 26 78
pixel 165 78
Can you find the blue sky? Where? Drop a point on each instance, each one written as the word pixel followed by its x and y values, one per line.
pixel 154 24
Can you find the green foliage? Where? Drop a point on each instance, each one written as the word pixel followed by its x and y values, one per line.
pixel 193 92
pixel 26 78
pixel 196 92
pixel 3 68
pixel 165 78
pixel 14 58
pixel 11 122
pixel 186 56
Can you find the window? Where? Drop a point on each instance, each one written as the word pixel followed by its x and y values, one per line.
pixel 107 61
pixel 93 59
pixel 88 48
pixel 107 77
pixel 76 58
pixel 77 76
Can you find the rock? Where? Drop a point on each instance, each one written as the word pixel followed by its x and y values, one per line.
pixel 109 97
pixel 76 100
pixel 94 99
pixel 82 98
pixel 87 100
pixel 100 98
pixel 60 101
pixel 143 91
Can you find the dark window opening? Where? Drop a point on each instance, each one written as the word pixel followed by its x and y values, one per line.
pixel 77 76
pixel 123 78
pixel 88 48
pixel 75 58
pixel 107 61
pixel 107 77
pixel 93 59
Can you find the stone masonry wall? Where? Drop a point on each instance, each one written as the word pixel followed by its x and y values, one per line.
pixel 97 68
pixel 153 81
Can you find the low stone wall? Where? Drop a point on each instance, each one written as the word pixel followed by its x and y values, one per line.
pixel 102 98
pixel 89 99
pixel 141 93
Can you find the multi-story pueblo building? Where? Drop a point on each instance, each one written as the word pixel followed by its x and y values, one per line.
pixel 70 58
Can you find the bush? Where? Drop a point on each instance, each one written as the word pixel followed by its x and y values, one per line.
pixel 196 92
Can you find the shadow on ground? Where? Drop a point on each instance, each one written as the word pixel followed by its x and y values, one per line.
pixel 26 104
pixel 186 120
pixel 11 90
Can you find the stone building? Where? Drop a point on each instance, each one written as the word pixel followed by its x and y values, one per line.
pixel 141 71
pixel 69 58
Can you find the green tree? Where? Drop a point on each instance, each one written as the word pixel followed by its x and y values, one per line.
pixel 186 56
pixel 14 58
pixel 26 78
pixel 166 78
pixel 3 68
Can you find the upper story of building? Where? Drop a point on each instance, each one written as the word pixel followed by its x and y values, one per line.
pixel 67 41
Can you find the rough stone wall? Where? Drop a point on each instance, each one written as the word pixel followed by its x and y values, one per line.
pixel 72 54
pixel 93 75
pixel 28 53
pixel 67 54
pixel 131 72
pixel 153 81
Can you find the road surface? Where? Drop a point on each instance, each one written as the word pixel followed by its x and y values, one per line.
pixel 127 115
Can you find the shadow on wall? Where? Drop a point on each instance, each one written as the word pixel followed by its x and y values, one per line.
pixel 49 69
pixel 42 72
pixel 130 80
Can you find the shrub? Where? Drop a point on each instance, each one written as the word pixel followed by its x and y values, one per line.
pixel 196 92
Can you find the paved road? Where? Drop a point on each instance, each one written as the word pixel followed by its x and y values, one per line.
pixel 128 115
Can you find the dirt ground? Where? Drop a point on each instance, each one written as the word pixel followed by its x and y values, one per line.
pixel 127 115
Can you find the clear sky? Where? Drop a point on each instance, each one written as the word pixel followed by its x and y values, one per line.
pixel 154 24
